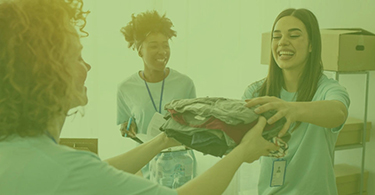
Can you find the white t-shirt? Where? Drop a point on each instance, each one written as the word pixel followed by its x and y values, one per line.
pixel 310 157
pixel 36 165
pixel 133 98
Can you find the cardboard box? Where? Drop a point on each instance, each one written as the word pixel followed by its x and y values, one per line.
pixel 348 179
pixel 352 132
pixel 86 144
pixel 342 49
pixel 363 193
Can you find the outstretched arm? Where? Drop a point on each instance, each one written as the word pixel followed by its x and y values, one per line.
pixel 325 113
pixel 138 157
pixel 216 179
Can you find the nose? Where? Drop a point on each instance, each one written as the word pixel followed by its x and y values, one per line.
pixel 88 66
pixel 163 51
pixel 283 41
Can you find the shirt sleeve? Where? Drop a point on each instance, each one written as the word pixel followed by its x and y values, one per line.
pixel 335 91
pixel 123 111
pixel 192 93
pixel 250 91
pixel 90 175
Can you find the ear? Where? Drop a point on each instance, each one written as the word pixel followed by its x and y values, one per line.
pixel 140 53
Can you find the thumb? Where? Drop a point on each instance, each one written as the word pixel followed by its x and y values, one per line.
pixel 260 125
pixel 284 129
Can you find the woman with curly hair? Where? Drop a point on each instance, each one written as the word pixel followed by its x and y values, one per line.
pixel 42 76
pixel 314 106
pixel 144 94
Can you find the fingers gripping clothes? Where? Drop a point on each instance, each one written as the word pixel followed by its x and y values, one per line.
pixel 216 125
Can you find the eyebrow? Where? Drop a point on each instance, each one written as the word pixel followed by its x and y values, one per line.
pixel 290 30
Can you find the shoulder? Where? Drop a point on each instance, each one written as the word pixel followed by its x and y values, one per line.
pixel 101 178
pixel 257 84
pixel 68 157
pixel 330 89
pixel 130 83
pixel 326 84
pixel 176 75
pixel 131 80
pixel 251 89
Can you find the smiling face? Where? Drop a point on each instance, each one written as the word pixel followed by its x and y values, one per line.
pixel 155 52
pixel 290 44
pixel 80 68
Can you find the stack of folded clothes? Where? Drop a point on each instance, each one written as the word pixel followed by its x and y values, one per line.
pixel 216 125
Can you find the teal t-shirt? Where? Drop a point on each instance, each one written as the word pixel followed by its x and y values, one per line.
pixel 133 99
pixel 311 148
pixel 36 165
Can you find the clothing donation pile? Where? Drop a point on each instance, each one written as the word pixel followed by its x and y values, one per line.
pixel 216 125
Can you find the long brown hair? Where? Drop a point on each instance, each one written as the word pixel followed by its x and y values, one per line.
pixel 308 82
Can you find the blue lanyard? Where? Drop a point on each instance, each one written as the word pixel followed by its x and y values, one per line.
pixel 149 93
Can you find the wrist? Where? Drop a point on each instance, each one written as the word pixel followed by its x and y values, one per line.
pixel 299 108
pixel 240 152
pixel 160 142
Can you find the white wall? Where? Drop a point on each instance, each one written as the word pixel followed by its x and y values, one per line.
pixel 218 46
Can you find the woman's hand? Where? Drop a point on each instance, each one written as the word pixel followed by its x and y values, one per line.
pixel 132 129
pixel 282 108
pixel 254 145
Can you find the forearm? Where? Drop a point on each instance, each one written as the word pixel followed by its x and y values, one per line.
pixel 216 179
pixel 326 113
pixel 138 157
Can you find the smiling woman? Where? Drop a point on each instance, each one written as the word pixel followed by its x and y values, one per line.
pixel 314 106
pixel 144 94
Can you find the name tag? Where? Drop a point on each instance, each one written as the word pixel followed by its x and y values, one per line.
pixel 278 173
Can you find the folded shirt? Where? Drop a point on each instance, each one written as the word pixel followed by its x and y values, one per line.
pixel 227 115
pixel 207 141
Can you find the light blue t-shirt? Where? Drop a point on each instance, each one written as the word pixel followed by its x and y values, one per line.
pixel 133 98
pixel 311 148
pixel 37 165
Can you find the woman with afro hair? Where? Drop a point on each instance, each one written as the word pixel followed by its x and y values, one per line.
pixel 144 94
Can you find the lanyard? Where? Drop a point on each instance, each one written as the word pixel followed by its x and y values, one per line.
pixel 149 93
pixel 50 136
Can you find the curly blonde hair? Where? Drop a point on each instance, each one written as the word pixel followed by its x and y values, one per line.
pixel 36 78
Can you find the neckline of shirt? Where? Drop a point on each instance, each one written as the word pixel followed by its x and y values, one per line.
pixel 166 78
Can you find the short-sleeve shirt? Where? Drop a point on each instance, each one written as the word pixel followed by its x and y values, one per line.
pixel 311 148
pixel 36 165
pixel 133 99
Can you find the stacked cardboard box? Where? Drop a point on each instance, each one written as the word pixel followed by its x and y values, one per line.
pixel 352 132
pixel 342 49
pixel 86 144
pixel 348 179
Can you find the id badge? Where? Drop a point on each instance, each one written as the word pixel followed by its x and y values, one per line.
pixel 278 173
